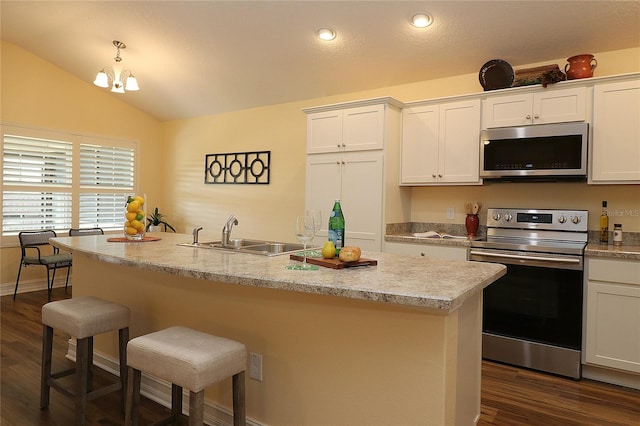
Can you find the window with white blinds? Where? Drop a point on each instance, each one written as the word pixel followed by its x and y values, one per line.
pixel 63 181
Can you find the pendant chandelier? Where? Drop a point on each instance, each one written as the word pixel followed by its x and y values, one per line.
pixel 124 81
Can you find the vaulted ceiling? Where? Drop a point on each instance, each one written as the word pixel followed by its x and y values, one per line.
pixel 195 58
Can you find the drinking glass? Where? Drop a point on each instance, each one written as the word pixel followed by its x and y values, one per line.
pixel 304 233
pixel 317 224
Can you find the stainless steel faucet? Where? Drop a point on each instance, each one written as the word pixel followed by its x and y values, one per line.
pixel 226 230
pixel 195 233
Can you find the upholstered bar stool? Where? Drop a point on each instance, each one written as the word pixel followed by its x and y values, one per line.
pixel 188 359
pixel 82 317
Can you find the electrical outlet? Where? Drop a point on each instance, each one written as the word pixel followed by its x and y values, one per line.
pixel 255 366
pixel 451 212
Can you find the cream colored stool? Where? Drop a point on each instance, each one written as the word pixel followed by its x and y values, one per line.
pixel 188 359
pixel 82 318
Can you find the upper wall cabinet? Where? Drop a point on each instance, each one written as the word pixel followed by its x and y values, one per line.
pixel 541 107
pixel 615 153
pixel 440 144
pixel 357 128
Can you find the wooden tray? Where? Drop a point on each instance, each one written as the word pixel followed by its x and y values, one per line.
pixel 335 263
pixel 124 240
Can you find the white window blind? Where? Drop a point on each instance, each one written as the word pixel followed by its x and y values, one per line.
pixel 102 168
pixel 59 180
pixel 41 170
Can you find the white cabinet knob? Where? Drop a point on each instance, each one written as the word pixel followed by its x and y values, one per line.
pixel 528 117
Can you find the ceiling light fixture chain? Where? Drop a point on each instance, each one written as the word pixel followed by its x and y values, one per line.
pixel 118 82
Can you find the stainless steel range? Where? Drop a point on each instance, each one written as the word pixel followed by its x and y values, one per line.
pixel 532 316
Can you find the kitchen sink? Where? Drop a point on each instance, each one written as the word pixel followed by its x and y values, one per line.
pixel 259 247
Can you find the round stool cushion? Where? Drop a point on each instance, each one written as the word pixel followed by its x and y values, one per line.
pixel 188 358
pixel 85 316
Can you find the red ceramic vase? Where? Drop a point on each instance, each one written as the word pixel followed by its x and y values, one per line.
pixel 471 224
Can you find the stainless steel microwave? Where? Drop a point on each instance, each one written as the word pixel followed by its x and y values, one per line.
pixel 540 152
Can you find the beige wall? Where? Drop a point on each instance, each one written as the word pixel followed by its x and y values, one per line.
pixel 281 128
pixel 34 92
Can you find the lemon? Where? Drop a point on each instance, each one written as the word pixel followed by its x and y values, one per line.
pixel 131 216
pixel 136 224
pixel 328 250
pixel 131 231
pixel 139 199
pixel 133 206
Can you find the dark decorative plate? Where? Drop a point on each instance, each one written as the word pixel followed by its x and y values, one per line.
pixel 496 74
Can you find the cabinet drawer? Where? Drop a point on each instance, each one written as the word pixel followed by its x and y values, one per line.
pixel 619 271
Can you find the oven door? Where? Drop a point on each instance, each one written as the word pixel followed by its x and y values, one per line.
pixel 538 300
pixel 532 316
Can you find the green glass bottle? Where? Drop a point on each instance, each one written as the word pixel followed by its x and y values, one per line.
pixel 336 227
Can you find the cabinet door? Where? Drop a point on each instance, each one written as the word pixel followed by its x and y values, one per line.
pixel 558 106
pixel 613 326
pixel 506 111
pixel 363 128
pixel 324 131
pixel 419 162
pixel 362 183
pixel 459 152
pixel 439 251
pixel 615 155
pixel 323 185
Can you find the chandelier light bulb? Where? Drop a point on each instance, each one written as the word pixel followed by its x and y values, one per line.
pixel 421 20
pixel 326 34
pixel 131 84
pixel 102 80
pixel 108 77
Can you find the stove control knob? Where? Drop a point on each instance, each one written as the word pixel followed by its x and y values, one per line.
pixel 496 216
pixel 562 219
pixel 508 217
pixel 575 219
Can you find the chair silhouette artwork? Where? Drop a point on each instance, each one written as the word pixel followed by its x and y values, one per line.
pixel 36 250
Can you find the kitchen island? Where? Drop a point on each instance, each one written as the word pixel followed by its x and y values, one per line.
pixel 396 343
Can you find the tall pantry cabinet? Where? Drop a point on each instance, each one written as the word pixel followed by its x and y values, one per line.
pixel 352 155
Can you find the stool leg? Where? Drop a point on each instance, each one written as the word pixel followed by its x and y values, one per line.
pixel 239 403
pixel 123 338
pixel 176 403
pixel 90 364
pixel 82 370
pixel 196 408
pixel 133 397
pixel 47 351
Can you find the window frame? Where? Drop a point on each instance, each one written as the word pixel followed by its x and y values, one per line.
pixel 76 189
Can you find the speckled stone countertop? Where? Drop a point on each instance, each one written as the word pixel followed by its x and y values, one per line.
pixel 441 285
pixel 613 252
pixel 403 233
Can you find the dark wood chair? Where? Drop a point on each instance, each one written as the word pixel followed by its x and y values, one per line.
pixel 78 232
pixel 36 251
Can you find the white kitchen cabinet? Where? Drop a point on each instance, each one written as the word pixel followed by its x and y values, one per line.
pixel 615 147
pixel 440 143
pixel 353 155
pixel 613 314
pixel 542 106
pixel 356 179
pixel 439 251
pixel 349 129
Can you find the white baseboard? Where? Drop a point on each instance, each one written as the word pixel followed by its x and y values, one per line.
pixel 27 286
pixel 159 390
pixel 614 377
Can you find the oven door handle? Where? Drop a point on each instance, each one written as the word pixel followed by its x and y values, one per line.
pixel 519 257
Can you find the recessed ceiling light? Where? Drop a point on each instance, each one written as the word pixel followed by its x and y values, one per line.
pixel 421 20
pixel 326 34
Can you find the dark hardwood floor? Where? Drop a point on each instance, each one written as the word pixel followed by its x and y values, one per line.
pixel 510 396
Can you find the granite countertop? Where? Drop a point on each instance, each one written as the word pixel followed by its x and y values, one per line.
pixel 436 284
pixel 409 238
pixel 610 251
